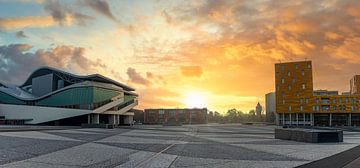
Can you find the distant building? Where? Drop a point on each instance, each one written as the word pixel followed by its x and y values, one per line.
pixel 298 104
pixel 138 115
pixel 54 97
pixel 258 109
pixel 185 116
pixel 270 107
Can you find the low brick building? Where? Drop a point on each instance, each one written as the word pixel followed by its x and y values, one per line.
pixel 184 116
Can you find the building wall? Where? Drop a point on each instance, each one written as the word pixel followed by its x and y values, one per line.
pixel 270 106
pixel 355 85
pixel 293 84
pixel 42 85
pixel 295 103
pixel 160 116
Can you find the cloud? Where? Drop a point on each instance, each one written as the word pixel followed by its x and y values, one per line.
pixel 63 14
pixel 17 60
pixel 21 34
pixel 101 7
pixel 26 22
pixel 191 71
pixel 136 78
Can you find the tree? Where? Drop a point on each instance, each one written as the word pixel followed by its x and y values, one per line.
pixel 232 115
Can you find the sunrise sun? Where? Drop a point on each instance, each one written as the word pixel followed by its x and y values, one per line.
pixel 194 99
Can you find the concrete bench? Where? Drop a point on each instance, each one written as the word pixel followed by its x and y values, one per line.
pixel 309 135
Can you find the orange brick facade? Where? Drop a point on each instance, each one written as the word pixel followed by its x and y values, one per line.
pixel 298 104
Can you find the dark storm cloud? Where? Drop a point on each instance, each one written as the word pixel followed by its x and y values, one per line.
pixel 136 77
pixel 17 60
pixel 21 34
pixel 64 14
pixel 100 6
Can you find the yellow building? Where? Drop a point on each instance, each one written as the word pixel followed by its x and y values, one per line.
pixel 298 104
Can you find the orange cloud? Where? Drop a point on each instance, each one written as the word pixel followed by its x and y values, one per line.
pixel 26 22
pixel 191 71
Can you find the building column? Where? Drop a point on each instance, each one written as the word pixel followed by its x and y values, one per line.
pixel 297 118
pixel 95 118
pixel 117 119
pixel 349 122
pixel 330 118
pixel 304 118
pixel 312 119
pixel 290 119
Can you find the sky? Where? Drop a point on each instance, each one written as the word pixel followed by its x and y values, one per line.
pixel 218 54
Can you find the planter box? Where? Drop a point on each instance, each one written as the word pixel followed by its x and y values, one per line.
pixel 309 135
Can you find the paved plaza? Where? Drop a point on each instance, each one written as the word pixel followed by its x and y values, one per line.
pixel 156 146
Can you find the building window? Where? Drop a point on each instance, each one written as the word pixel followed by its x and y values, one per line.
pixel 347 100
pixel 302 72
pixel 352 108
pixel 309 66
pixel 294 80
pixel 357 108
pixel 301 108
pixel 277 87
pixel 334 108
pixel 357 100
pixel 277 74
pixel 297 94
pixel 289 73
pixel 317 100
pixel 334 100
pixel 352 100
pixel 340 100
pixel 283 101
pixel 282 80
pixel 289 87
pixel 282 68
pixel 290 108
pixel 317 108
pixel 344 107
pixel 301 101
pixel 340 107
pixel 296 66
pixel 303 86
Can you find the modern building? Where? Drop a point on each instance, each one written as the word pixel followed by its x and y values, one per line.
pixel 270 107
pixel 298 104
pixel 185 116
pixel 54 97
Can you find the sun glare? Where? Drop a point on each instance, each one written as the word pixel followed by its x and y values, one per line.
pixel 194 99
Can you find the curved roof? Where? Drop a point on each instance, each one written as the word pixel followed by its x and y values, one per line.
pixel 94 77
pixel 20 94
